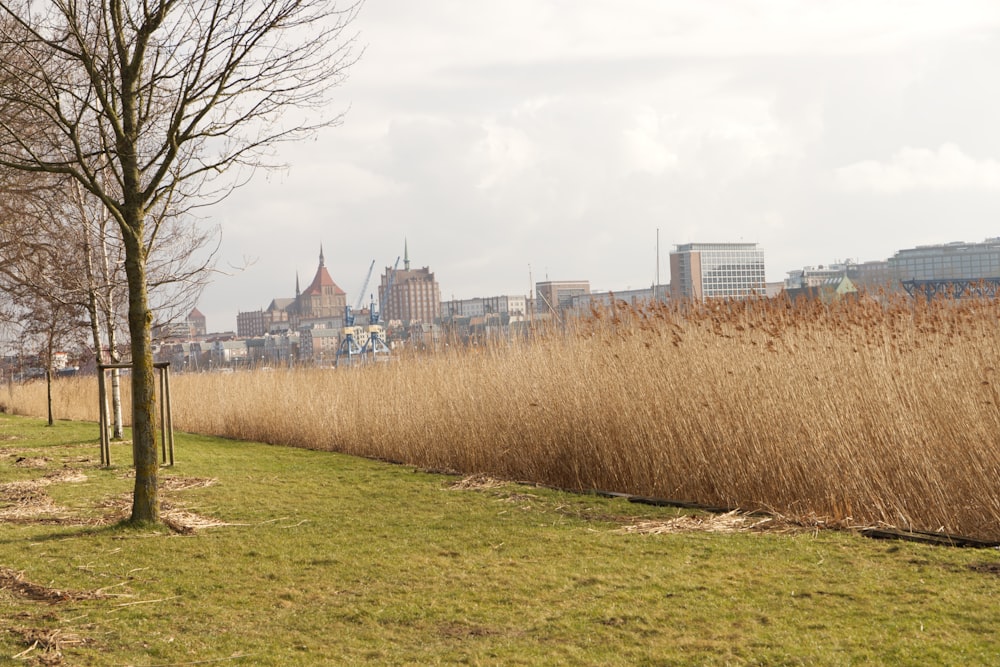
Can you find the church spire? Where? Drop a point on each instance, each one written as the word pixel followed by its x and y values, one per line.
pixel 321 261
pixel 406 255
pixel 297 290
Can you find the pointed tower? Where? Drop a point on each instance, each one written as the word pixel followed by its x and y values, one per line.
pixel 323 298
pixel 409 295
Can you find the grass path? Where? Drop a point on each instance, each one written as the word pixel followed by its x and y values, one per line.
pixel 295 557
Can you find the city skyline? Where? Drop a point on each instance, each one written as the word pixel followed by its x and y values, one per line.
pixel 562 137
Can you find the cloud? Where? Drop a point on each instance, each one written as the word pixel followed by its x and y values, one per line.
pixel 946 169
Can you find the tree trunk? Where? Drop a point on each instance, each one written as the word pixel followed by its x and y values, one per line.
pixel 109 323
pixel 145 501
pixel 92 313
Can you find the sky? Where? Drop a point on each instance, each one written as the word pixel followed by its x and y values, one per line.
pixel 529 140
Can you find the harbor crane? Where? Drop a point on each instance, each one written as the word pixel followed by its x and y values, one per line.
pixel 359 343
pixel 375 344
pixel 351 337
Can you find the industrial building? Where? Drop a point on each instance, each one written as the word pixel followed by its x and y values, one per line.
pixel 956 269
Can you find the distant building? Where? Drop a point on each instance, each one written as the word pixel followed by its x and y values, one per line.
pixel 409 295
pixel 701 271
pixel 278 315
pixel 196 323
pixel 319 345
pixel 871 276
pixel 948 261
pixel 251 324
pixel 321 303
pixel 864 275
pixel 954 269
pixel 633 297
pixel 552 297
pixel 192 327
pixel 829 290
pixel 225 352
pixel 462 308
pixel 322 299
pixel 515 306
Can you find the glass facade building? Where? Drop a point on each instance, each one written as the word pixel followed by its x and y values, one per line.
pixel 950 261
pixel 717 271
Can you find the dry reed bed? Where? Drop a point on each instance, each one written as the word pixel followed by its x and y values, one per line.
pixel 858 413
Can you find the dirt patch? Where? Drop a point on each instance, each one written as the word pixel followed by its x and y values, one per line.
pixel 25 500
pixel 13 581
pixel 185 483
pixel 77 459
pixel 986 568
pixel 45 646
pixel 476 482
pixel 730 522
pixel 186 523
pixel 31 461
pixel 64 476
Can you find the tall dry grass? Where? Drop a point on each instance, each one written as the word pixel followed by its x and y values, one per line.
pixel 859 412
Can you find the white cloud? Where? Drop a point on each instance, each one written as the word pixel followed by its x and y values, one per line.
pixel 562 134
pixel 913 169
pixel 646 145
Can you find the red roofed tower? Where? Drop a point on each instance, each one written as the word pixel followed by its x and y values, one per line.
pixel 322 298
pixel 196 321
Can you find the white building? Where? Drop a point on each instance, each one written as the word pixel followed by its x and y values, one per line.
pixel 701 271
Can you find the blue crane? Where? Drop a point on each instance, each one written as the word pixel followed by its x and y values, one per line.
pixel 375 344
pixel 350 345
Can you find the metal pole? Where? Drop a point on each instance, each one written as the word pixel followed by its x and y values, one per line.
pixel 163 421
pixel 103 399
pixel 170 419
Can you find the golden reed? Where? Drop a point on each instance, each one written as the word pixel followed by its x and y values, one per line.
pixel 874 411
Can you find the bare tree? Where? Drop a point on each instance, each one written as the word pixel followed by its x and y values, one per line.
pixel 60 260
pixel 53 326
pixel 144 104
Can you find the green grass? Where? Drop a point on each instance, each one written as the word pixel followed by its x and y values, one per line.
pixel 337 560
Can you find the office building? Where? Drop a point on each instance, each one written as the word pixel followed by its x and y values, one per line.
pixel 701 271
pixel 948 261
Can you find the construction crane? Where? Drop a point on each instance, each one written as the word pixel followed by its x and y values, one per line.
pixel 364 286
pixel 351 336
pixel 375 344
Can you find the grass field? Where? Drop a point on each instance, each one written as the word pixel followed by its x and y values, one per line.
pixel 286 556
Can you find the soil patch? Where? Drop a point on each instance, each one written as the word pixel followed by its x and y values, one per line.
pixel 13 581
pixel 476 482
pixel 185 483
pixel 729 522
pixel 31 461
pixel 47 643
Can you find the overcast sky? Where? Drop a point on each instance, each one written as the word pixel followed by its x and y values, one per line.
pixel 560 135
